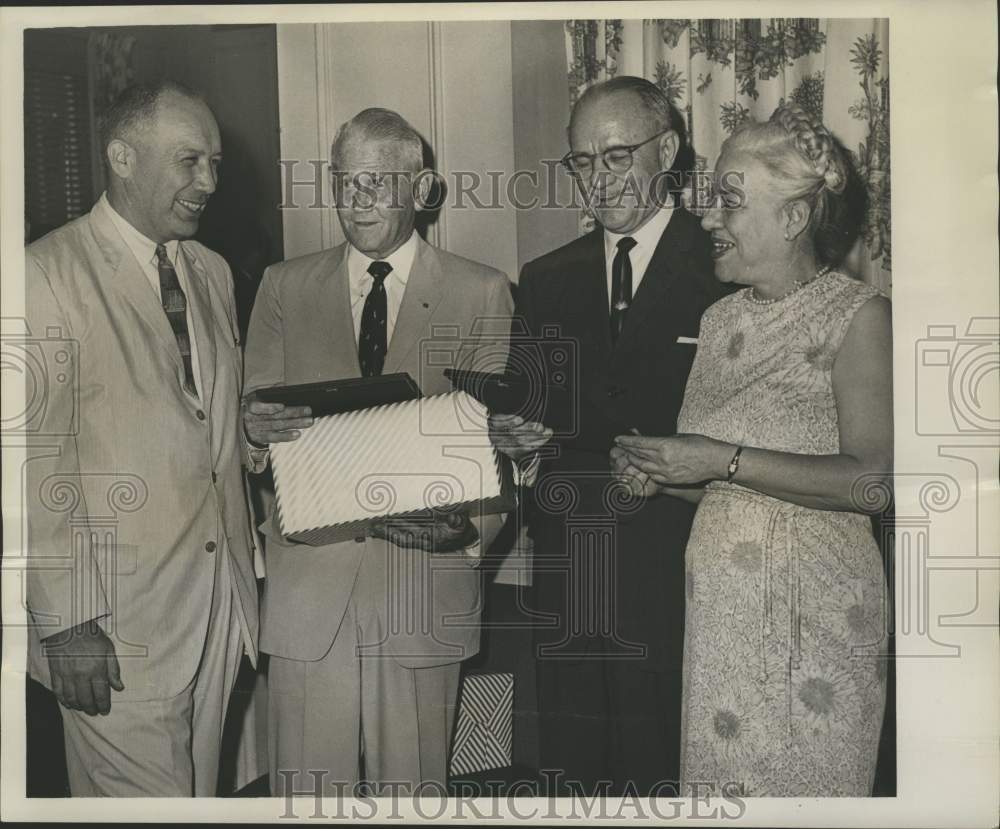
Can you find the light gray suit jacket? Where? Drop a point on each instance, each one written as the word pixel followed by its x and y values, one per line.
pixel 134 487
pixel 302 331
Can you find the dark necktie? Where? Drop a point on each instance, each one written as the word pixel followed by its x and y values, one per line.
pixel 175 307
pixel 373 342
pixel 621 286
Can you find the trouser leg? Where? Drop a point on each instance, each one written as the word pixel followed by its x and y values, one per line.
pixel 573 722
pixel 645 727
pixel 407 719
pixel 213 686
pixel 314 717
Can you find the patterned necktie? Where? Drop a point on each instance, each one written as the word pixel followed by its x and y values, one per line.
pixel 175 307
pixel 373 342
pixel 621 286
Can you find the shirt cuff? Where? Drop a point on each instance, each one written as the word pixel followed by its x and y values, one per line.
pixel 525 474
pixel 258 457
pixel 474 552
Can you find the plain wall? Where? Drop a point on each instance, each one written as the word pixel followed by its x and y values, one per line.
pixel 487 96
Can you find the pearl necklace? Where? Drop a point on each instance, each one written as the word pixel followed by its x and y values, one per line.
pixel 798 284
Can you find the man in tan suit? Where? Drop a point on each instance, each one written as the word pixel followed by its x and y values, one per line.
pixel 141 589
pixel 366 637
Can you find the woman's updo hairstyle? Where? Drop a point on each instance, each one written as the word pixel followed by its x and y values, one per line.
pixel 809 163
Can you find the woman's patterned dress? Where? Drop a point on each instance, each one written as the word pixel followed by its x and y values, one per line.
pixel 784 651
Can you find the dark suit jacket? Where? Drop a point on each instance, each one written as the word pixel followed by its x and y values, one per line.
pixel 609 566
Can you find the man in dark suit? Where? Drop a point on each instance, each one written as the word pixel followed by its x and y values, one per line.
pixel 617 313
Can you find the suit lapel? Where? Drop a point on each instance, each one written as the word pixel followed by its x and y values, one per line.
pixel 585 298
pixel 200 303
pixel 653 296
pixel 129 281
pixel 424 291
pixel 334 292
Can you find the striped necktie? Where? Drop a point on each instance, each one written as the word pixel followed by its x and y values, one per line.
pixel 175 307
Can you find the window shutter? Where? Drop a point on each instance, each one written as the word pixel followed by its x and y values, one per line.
pixel 57 142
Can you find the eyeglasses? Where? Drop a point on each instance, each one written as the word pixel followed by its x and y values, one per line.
pixel 617 159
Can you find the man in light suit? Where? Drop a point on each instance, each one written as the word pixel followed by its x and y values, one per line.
pixel 353 692
pixel 140 585
pixel 629 295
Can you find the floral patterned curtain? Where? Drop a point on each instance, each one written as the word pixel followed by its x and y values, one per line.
pixel 719 72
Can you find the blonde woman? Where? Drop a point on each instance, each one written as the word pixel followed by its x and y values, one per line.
pixel 787 416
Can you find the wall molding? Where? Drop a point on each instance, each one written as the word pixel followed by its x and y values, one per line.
pixel 437 233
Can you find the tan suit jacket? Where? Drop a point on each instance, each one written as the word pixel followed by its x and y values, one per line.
pixel 301 331
pixel 134 488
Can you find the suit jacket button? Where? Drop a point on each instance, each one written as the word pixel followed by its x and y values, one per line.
pixel 360 539
pixel 215 478
pixel 210 547
pixel 199 414
pixel 615 391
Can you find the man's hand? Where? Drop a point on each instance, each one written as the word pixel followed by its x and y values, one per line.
pixel 84 668
pixel 274 422
pixel 516 437
pixel 441 532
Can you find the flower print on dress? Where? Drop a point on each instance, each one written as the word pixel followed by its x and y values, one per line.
pixel 825 697
pixel 732 719
pixel 856 614
pixel 736 343
pixel 809 363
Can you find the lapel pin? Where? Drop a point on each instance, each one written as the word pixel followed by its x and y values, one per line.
pixel 426 305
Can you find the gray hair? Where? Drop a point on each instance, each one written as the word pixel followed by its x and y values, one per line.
pixel 807 162
pixel 654 100
pixel 377 124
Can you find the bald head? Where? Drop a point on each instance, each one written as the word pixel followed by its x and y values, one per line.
pixel 163 154
pixel 633 119
pixel 641 99
pixel 135 108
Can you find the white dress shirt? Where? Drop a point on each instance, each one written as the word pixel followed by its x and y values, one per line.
pixel 144 250
pixel 646 238
pixel 361 282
